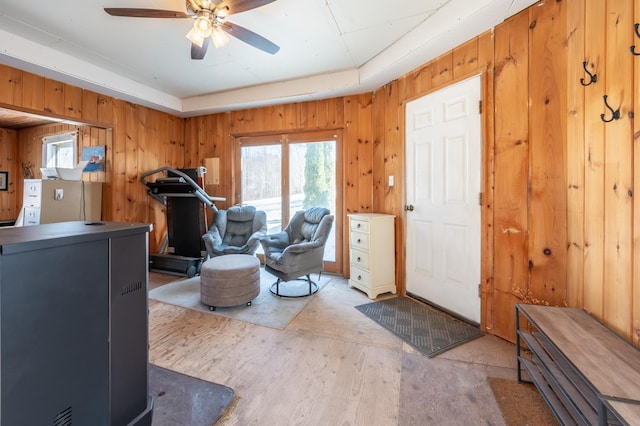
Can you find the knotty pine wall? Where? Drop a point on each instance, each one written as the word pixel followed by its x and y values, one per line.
pixel 560 223
pixel 137 139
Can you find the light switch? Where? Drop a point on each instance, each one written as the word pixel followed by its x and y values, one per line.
pixel 391 180
pixel 59 194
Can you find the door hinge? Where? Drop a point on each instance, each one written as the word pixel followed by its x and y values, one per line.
pixel 479 290
pixel 480 107
pixel 480 198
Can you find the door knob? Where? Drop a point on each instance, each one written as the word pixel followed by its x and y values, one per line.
pixel 408 208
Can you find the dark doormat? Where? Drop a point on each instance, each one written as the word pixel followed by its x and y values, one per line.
pixel 184 400
pixel 427 329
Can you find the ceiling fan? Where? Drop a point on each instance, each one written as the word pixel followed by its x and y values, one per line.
pixel 210 23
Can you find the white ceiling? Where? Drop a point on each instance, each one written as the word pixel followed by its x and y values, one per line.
pixel 328 48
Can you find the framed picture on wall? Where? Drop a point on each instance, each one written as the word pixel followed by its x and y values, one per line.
pixel 94 155
pixel 4 181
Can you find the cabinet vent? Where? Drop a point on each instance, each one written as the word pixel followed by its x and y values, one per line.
pixel 64 418
pixel 131 288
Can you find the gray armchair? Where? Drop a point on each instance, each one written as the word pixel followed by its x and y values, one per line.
pixel 298 250
pixel 235 231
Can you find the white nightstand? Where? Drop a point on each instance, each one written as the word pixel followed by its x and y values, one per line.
pixel 372 253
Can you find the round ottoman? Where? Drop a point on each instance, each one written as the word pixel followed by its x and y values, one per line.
pixel 229 280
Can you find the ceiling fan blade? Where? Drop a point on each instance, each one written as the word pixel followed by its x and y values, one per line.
pixel 198 52
pixel 145 13
pixel 237 6
pixel 250 37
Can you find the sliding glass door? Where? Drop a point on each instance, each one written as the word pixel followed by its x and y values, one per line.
pixel 283 174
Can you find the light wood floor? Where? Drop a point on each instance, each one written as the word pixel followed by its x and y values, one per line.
pixel 331 365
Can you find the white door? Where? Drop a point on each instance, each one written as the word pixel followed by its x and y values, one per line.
pixel 444 157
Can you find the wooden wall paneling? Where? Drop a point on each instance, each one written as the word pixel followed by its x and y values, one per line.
pixel 72 101
pixel 485 64
pixel 593 286
pixel 422 81
pixel 547 153
pixel 8 163
pixel 240 122
pixel 290 116
pixel 33 91
pixel 393 158
pixel 575 151
pixel 307 114
pixel 387 154
pixel 177 144
pixel 85 139
pixel 131 162
pixel 105 109
pixel 53 97
pixel 89 106
pixel 105 113
pixel 224 149
pixel 118 170
pixel 404 89
pixel 158 128
pixel 618 173
pixel 442 70
pixel 381 193
pixel 333 112
pixel 194 131
pixel 10 85
pixel 351 166
pixel 465 59
pixel 364 136
pixel 511 171
pixel 107 177
pixel 635 337
pixel 144 163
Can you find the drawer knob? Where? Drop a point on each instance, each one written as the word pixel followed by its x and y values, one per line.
pixel 358 226
pixel 358 259
pixel 359 240
pixel 359 277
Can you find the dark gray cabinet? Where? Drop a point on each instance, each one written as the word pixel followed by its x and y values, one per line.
pixel 74 324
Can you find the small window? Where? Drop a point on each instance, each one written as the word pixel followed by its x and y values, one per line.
pixel 60 150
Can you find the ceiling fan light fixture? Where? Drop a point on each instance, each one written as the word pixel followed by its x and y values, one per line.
pixel 221 14
pixel 196 37
pixel 203 25
pixel 219 37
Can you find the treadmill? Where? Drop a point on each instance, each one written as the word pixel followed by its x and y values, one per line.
pixel 186 203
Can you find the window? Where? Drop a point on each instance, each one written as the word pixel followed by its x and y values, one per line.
pixel 60 150
pixel 282 174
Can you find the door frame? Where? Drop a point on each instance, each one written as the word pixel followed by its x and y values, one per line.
pixel 285 138
pixel 487 167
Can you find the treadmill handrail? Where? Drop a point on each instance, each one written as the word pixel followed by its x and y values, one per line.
pixel 205 198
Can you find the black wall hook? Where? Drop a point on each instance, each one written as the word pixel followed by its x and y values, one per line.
pixel 615 114
pixel 636 28
pixel 592 77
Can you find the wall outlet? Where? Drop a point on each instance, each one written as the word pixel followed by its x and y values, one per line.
pixel 59 195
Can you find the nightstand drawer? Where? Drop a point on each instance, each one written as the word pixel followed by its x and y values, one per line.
pixel 359 225
pixel 360 240
pixel 360 276
pixel 360 259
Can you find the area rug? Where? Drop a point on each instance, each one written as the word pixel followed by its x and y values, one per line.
pixel 184 400
pixel 520 403
pixel 266 309
pixel 428 330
